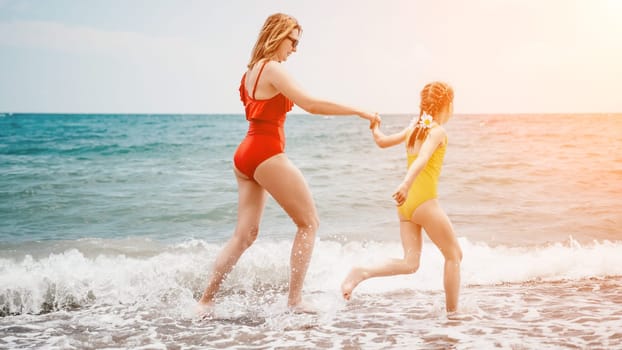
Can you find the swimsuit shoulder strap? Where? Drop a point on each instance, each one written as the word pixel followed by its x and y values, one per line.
pixel 445 141
pixel 258 76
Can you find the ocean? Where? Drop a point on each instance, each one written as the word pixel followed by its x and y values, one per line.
pixel 109 225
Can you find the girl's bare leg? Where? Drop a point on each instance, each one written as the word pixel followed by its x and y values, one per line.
pixel 438 227
pixel 410 234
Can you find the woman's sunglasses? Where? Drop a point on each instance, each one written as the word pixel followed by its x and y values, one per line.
pixel 294 42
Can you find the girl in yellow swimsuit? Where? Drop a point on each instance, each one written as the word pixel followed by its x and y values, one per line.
pixel 416 196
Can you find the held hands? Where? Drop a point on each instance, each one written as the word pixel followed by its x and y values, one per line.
pixel 373 118
pixel 401 193
pixel 375 122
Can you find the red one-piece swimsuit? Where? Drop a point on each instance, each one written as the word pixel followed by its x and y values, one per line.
pixel 266 135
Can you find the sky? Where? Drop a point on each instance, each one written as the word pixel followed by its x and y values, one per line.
pixel 183 56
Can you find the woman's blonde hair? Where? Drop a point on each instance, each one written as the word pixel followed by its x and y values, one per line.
pixel 276 28
pixel 434 97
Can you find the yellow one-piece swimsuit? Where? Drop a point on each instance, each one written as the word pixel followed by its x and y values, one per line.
pixel 425 185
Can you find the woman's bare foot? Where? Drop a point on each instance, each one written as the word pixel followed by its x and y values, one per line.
pixel 301 308
pixel 205 311
pixel 457 316
pixel 356 276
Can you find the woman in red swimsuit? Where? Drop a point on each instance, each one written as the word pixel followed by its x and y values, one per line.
pixel 268 92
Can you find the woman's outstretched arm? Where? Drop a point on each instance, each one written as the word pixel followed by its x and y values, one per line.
pixel 284 83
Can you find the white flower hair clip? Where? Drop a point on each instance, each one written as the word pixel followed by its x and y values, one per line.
pixel 426 121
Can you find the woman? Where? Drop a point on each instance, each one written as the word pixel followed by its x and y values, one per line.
pixel 268 92
pixel 416 196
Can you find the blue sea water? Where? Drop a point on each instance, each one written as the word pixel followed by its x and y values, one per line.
pixel 109 225
pixel 112 176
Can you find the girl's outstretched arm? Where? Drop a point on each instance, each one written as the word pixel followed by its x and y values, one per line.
pixel 384 141
pixel 435 138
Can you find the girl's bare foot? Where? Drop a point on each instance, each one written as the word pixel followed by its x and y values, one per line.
pixel 356 276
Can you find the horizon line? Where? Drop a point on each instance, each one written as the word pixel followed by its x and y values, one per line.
pixel 4 114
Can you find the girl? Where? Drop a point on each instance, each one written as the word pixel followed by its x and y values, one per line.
pixel 416 196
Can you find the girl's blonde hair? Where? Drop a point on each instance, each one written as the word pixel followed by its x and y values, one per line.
pixel 276 29
pixel 434 97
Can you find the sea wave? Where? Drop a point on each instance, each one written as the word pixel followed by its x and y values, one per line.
pixel 150 274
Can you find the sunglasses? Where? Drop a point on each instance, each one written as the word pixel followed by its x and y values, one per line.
pixel 294 42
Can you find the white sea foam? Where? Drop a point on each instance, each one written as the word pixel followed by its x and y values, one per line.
pixel 178 272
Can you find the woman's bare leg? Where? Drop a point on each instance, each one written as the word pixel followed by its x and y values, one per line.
pixel 288 187
pixel 251 202
pixel 410 234
pixel 438 227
